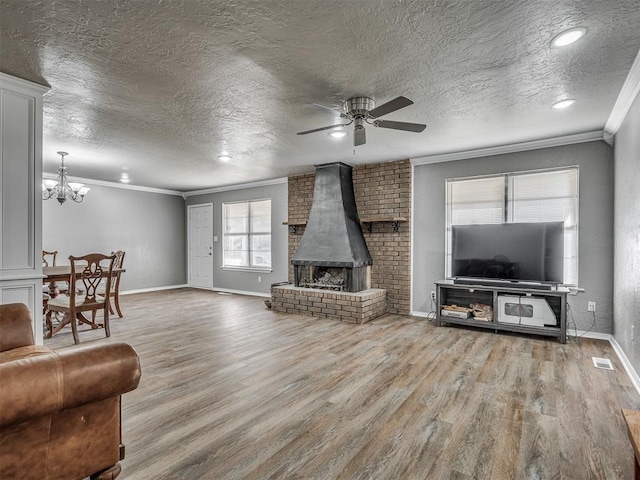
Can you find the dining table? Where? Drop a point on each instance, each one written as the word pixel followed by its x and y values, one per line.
pixel 62 273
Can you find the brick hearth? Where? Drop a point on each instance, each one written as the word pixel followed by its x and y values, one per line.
pixel 354 307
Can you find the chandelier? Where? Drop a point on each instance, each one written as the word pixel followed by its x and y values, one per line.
pixel 62 189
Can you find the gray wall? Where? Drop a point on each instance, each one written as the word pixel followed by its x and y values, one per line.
pixel 248 281
pixel 626 281
pixel 595 264
pixel 149 227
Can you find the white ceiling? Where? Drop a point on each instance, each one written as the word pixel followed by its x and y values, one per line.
pixel 160 88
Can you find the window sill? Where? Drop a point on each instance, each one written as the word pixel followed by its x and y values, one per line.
pixel 247 269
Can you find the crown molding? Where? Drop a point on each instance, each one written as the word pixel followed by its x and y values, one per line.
pixel 511 148
pixel 239 186
pixel 626 97
pixel 21 84
pixel 123 186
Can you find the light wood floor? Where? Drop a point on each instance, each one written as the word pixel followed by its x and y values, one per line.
pixel 231 390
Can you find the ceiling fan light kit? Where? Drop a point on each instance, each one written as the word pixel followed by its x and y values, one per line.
pixel 338 133
pixel 360 111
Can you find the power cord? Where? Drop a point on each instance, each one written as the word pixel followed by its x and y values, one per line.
pixel 575 328
pixel 431 316
pixel 574 337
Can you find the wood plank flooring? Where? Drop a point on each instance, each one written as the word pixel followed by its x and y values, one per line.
pixel 231 390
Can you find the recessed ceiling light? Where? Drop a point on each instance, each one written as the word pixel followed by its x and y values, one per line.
pixel 124 178
pixel 338 133
pixel 568 37
pixel 224 157
pixel 563 104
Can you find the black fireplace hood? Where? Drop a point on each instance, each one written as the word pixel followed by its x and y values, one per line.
pixel 333 235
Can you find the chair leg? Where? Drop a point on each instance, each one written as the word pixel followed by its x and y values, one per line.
pixel 107 330
pixel 47 319
pixel 116 301
pixel 74 327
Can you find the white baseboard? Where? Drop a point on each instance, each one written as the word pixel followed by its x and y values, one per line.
pixel 242 292
pixel 172 287
pixel 153 289
pixel 633 375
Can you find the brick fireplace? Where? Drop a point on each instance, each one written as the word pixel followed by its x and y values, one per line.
pixel 382 192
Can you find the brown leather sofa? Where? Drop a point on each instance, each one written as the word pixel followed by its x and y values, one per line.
pixel 60 411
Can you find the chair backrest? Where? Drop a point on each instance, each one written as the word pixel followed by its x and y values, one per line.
pixel 49 258
pixel 97 267
pixel 118 263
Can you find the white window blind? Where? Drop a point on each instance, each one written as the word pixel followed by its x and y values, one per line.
pixel 549 197
pixel 247 234
pixel 543 196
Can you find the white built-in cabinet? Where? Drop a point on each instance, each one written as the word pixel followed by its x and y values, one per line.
pixel 21 195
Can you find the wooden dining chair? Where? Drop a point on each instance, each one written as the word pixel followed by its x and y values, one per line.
pixel 49 258
pixel 114 292
pixel 87 270
pixel 115 285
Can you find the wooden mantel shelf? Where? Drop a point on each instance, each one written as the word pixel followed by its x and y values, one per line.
pixel 367 222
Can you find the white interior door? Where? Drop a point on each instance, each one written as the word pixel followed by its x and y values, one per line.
pixel 201 245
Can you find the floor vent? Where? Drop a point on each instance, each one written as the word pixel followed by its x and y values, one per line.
pixel 604 363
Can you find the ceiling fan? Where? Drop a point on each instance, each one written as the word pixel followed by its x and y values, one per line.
pixel 362 110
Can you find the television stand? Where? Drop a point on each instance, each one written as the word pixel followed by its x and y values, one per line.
pixel 502 283
pixel 530 304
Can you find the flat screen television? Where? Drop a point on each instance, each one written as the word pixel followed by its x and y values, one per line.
pixel 513 252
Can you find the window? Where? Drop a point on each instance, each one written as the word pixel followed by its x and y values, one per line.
pixel 247 234
pixel 541 196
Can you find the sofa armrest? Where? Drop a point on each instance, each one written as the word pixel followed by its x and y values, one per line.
pixel 16 329
pixel 30 384
pixel 42 382
pixel 94 372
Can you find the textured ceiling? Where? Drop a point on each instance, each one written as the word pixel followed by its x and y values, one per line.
pixel 160 88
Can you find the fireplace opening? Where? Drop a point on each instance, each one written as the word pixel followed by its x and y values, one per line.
pixel 333 278
pixel 342 279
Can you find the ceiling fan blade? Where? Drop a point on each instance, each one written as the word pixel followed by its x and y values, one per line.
pixel 322 108
pixel 323 128
pixel 408 127
pixel 390 106
pixel 359 136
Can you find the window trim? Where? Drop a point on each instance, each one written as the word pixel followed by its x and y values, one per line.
pixel 505 209
pixel 248 234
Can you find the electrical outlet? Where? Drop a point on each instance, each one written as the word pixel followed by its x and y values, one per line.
pixel 433 295
pixel 591 307
pixel 259 279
